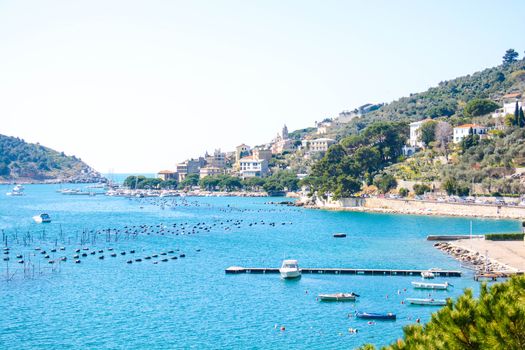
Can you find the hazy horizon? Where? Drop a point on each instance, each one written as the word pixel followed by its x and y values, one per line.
pixel 134 87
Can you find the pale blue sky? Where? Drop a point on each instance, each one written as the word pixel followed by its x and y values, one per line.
pixel 140 85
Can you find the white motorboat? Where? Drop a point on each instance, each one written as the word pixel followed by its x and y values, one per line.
pixel 18 190
pixel 42 218
pixel 427 274
pixel 426 285
pixel 338 297
pixel 426 301
pixel 290 269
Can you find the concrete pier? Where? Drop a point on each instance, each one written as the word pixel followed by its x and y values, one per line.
pixel 344 271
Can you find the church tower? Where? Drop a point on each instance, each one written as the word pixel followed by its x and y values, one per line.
pixel 285 133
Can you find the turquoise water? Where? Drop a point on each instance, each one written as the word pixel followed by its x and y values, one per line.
pixel 190 302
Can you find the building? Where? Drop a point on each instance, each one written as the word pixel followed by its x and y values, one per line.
pixel 217 159
pixel 210 171
pixel 166 175
pixel 190 166
pixel 282 142
pixel 317 145
pixel 250 167
pixel 324 126
pixel 262 153
pixel 508 108
pixel 464 130
pixel 414 141
pixel 241 151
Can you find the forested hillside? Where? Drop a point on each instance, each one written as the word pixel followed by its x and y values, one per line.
pixel 22 161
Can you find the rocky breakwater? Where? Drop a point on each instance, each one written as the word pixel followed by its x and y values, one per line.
pixel 472 259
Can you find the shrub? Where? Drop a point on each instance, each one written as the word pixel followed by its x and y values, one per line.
pixel 421 189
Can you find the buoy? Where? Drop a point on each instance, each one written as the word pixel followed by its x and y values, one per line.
pixel 283 328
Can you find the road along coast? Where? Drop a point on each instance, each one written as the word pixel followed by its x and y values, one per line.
pixel 415 207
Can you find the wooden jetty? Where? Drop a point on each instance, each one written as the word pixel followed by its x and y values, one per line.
pixel 344 271
pixel 451 237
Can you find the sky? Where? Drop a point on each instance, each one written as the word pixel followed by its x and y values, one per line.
pixel 137 86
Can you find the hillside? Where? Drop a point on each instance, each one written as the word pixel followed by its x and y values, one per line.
pixel 492 163
pixel 449 98
pixel 26 162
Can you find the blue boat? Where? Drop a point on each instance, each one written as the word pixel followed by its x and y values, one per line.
pixel 375 316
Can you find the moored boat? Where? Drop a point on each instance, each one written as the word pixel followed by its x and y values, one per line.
pixel 426 285
pixel 375 315
pixel 426 301
pixel 339 235
pixel 427 274
pixel 338 297
pixel 42 218
pixel 290 269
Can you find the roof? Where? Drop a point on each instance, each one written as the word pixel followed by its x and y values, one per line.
pixel 250 159
pixel 470 126
pixel 512 95
pixel 166 172
pixel 421 121
pixel 323 139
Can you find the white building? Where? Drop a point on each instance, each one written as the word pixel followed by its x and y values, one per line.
pixel 210 171
pixel 414 141
pixel 462 131
pixel 250 167
pixel 317 145
pixel 508 108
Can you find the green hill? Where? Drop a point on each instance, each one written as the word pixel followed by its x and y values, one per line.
pixel 27 162
pixel 493 164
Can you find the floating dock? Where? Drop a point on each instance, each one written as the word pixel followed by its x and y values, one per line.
pixel 344 271
pixel 451 237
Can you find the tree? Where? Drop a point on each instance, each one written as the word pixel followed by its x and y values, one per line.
pixel 421 189
pixel 403 192
pixel 469 141
pixel 478 107
pixel 443 135
pixel 517 114
pixel 510 56
pixel 189 181
pixel 521 118
pixel 427 132
pixel 385 182
pixel 496 320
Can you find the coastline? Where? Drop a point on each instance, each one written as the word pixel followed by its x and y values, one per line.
pixel 506 257
pixel 413 207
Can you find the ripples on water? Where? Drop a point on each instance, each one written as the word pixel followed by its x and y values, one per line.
pixel 190 302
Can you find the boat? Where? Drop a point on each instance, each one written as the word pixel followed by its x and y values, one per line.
pixel 338 297
pixel 426 285
pixel 427 274
pixel 42 218
pixel 339 235
pixel 426 301
pixel 290 269
pixel 18 190
pixel 375 316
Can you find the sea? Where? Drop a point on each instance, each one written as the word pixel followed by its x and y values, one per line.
pixel 181 297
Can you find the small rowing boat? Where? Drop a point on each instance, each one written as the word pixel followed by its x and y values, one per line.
pixel 338 297
pixel 339 235
pixel 375 316
pixel 426 285
pixel 427 301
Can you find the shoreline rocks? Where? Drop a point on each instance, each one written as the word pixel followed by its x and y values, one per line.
pixel 473 259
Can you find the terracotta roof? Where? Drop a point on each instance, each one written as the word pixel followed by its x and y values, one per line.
pixel 512 95
pixel 470 126
pixel 166 172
